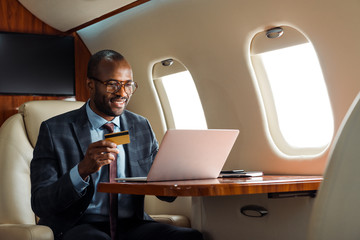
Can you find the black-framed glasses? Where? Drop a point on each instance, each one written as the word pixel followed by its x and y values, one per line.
pixel 113 86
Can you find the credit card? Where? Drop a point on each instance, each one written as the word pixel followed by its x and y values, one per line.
pixel 118 138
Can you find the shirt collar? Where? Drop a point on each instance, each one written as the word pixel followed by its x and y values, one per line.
pixel 96 120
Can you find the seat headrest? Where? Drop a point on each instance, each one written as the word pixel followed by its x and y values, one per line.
pixel 335 212
pixel 35 112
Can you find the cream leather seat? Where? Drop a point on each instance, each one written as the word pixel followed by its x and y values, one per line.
pixel 336 209
pixel 18 136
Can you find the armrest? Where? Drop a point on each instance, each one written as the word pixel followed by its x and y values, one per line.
pixel 177 220
pixel 25 232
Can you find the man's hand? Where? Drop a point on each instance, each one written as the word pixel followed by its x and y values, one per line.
pixel 97 155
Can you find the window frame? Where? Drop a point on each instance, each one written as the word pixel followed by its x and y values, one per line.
pixel 260 44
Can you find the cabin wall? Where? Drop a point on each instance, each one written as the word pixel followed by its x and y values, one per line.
pixel 220 218
pixel 212 39
pixel 15 18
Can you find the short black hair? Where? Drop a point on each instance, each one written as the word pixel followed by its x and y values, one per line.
pixel 97 57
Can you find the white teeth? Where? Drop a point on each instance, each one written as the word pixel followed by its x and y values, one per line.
pixel 120 100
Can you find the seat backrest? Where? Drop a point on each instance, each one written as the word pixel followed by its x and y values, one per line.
pixel 336 212
pixel 18 136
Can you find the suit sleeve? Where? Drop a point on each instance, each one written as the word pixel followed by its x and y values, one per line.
pixel 52 192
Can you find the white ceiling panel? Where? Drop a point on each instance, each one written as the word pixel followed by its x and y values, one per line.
pixel 68 14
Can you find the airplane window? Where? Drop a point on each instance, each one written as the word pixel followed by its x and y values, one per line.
pixel 294 92
pixel 178 96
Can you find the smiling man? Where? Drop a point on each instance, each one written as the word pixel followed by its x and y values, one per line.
pixel 71 157
pixel 113 72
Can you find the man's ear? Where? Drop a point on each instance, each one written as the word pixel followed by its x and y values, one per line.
pixel 90 83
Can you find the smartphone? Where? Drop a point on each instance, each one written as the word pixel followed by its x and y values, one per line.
pixel 232 171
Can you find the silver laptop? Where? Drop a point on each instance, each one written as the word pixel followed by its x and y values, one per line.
pixel 190 154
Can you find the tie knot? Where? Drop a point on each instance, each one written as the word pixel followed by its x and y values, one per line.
pixel 109 127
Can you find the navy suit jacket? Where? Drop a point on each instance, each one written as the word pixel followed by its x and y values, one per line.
pixel 62 143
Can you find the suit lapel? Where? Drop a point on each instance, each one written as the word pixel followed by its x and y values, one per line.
pixel 127 125
pixel 81 129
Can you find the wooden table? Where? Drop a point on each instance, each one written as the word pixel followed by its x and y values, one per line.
pixel 217 187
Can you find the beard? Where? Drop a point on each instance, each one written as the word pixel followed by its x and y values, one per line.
pixel 103 104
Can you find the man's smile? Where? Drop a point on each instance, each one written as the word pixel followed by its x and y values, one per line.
pixel 119 101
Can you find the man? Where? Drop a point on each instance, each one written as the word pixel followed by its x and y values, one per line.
pixel 71 157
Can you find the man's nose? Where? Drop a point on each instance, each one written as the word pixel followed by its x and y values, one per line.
pixel 121 92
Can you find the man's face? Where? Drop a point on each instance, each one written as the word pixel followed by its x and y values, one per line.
pixel 109 105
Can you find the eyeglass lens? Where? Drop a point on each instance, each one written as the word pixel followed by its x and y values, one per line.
pixel 115 86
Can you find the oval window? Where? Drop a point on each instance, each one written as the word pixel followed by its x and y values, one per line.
pixel 178 96
pixel 293 91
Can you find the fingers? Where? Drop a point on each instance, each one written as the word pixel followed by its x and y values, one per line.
pixel 103 144
pixel 104 156
pixel 98 154
pixel 102 147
